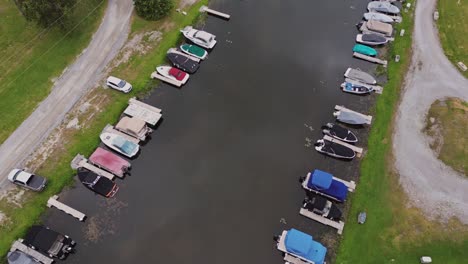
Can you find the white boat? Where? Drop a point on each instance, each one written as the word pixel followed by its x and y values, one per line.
pixel 373 26
pixel 383 7
pixel 355 88
pixel 199 37
pixel 120 144
pixel 174 74
pixel 359 75
pixel 378 17
pixel 371 39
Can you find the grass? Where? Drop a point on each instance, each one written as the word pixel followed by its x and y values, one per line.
pixel 394 232
pixel 453 29
pixel 448 132
pixel 85 140
pixel 31 57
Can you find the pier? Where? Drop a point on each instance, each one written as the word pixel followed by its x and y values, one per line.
pixel 344 109
pixel 176 51
pixel 145 112
pixel 337 141
pixel 371 59
pixel 81 162
pixel 338 225
pixel 18 245
pixel 53 202
pixel 214 12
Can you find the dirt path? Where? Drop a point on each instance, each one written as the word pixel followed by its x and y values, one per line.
pixel 68 89
pixel 431 185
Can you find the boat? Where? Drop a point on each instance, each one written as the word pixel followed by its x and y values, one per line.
pixel 360 76
pixel 97 183
pixel 199 37
pixel 110 162
pixel 363 49
pixel 300 247
pixel 371 39
pixel 321 206
pixel 174 74
pixel 183 62
pixel 383 7
pixel 194 50
pixel 378 17
pixel 120 144
pixel 134 127
pixel 374 26
pixel 339 132
pixel 350 118
pixel 335 150
pixel 356 88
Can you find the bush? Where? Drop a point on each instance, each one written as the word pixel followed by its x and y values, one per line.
pixel 153 9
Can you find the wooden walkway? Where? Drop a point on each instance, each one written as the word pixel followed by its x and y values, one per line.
pixel 145 112
pixel 52 202
pixel 371 59
pixel 338 225
pixel 81 162
pixel 344 109
pixel 18 245
pixel 214 12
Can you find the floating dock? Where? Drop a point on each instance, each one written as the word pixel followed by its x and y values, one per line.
pixel 337 225
pixel 344 109
pixel 52 202
pixel 145 112
pixel 176 51
pixel 350 184
pixel 18 245
pixel 110 129
pixel 156 75
pixel 290 259
pixel 377 89
pixel 81 162
pixel 214 12
pixel 337 141
pixel 371 59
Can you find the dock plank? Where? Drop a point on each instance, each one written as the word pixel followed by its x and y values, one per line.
pixel 337 225
pixel 145 112
pixel 18 245
pixel 358 150
pixel 156 75
pixel 53 202
pixel 371 59
pixel 80 161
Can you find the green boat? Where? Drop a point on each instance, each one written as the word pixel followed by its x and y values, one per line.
pixel 194 50
pixel 363 49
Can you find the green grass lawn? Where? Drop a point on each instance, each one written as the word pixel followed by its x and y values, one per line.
pixel 30 57
pixel 394 232
pixel 57 168
pixel 453 29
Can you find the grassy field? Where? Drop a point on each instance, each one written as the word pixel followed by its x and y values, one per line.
pixel 30 57
pixel 85 140
pixel 394 232
pixel 453 29
pixel 448 131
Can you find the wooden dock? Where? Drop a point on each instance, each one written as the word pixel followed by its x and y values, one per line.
pixel 344 109
pixel 156 75
pixel 145 112
pixel 337 141
pixel 53 202
pixel 110 129
pixel 81 162
pixel 176 51
pixel 293 260
pixel 337 225
pixel 377 89
pixel 18 245
pixel 214 12
pixel 371 59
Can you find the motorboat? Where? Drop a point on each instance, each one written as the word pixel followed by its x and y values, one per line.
pixel 194 50
pixel 339 132
pixel 325 184
pixel 378 17
pixel 300 247
pixel 371 39
pixel 174 74
pixel 97 183
pixel 374 26
pixel 383 7
pixel 322 207
pixel 120 144
pixel 183 62
pixel 134 127
pixel 199 37
pixel 350 118
pixel 353 88
pixel 335 150
pixel 360 76
pixel 366 50
pixel 49 242
pixel 110 162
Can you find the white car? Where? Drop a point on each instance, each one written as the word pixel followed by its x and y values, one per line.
pixel 27 180
pixel 118 84
pixel 199 37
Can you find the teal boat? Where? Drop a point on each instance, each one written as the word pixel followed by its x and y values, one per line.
pixel 363 49
pixel 194 50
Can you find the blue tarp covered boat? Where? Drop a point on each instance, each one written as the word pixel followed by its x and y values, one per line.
pixel 323 183
pixel 363 49
pixel 303 245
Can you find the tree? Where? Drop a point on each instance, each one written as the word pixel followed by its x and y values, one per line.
pixel 153 9
pixel 46 12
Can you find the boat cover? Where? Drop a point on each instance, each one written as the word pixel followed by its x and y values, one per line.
pixel 373 38
pixel 323 182
pixel 194 50
pixel 41 237
pixel 109 161
pixel 379 17
pixel 383 7
pixel 378 26
pixel 178 74
pixel 207 37
pixel 321 179
pixel 302 244
pixel 131 125
pixel 342 133
pixel 351 118
pixel 363 49
pixel 124 145
pixel 360 75
pixel 99 184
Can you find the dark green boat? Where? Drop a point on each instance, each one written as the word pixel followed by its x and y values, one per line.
pixel 194 50
pixel 363 49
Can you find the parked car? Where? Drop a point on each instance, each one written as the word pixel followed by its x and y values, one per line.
pixel 18 257
pixel 27 180
pixel 118 84
pixel 49 242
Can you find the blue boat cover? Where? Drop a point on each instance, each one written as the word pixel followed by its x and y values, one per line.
pixel 124 145
pixel 323 182
pixel 302 244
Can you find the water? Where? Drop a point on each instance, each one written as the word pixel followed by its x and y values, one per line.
pixel 220 175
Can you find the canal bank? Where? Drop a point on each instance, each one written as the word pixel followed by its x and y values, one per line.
pixel 220 175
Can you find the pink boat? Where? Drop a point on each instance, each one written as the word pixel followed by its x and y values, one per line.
pixel 109 161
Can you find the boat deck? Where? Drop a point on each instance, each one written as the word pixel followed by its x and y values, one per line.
pixel 344 109
pixel 52 202
pixel 81 161
pixel 338 225
pixel 145 112
pixel 18 245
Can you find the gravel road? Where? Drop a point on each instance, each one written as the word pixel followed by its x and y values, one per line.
pixel 431 185
pixel 69 88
